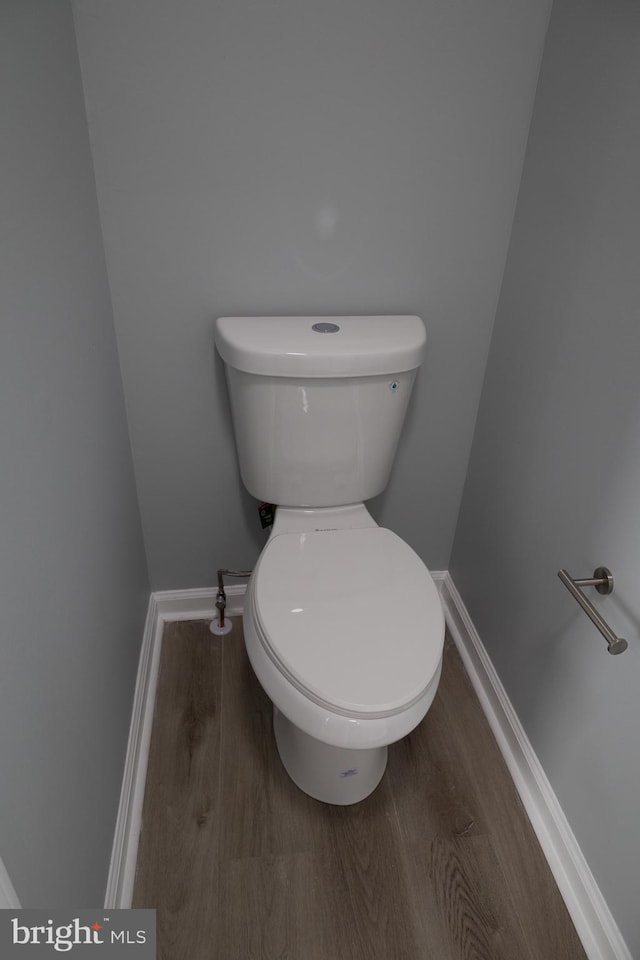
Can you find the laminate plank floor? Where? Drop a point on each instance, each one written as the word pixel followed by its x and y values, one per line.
pixel 439 863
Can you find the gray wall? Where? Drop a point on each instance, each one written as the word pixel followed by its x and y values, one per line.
pixel 304 156
pixel 554 476
pixel 73 588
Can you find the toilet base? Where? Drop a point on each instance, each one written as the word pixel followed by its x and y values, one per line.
pixel 327 773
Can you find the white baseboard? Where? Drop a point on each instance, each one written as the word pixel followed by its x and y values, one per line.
pixel 592 919
pixel 164 606
pixel 8 896
pixel 124 852
pixel 594 923
pixel 198 604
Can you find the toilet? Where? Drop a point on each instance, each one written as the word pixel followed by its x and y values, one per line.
pixel 343 623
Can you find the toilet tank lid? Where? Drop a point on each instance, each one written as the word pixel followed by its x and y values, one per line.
pixel 321 346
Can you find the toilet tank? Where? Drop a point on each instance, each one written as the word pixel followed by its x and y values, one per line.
pixel 318 403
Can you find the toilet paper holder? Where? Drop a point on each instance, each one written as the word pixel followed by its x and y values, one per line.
pixel 602 580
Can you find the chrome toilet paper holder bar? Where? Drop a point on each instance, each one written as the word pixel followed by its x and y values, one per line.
pixel 602 580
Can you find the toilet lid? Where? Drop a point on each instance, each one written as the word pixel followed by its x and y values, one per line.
pixel 351 617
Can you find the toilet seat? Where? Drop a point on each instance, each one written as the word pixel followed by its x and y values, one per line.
pixel 351 617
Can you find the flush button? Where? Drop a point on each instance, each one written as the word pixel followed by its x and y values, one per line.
pixel 325 327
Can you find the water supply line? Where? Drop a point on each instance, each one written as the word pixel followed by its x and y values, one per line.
pixel 221 600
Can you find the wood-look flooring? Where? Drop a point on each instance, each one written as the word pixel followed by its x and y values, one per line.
pixel 439 863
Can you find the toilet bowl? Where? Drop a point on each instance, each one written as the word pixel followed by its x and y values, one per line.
pixel 344 629
pixel 343 623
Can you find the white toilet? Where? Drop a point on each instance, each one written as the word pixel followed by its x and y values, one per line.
pixel 343 623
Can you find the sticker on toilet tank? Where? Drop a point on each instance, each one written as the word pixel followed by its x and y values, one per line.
pixel 348 773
